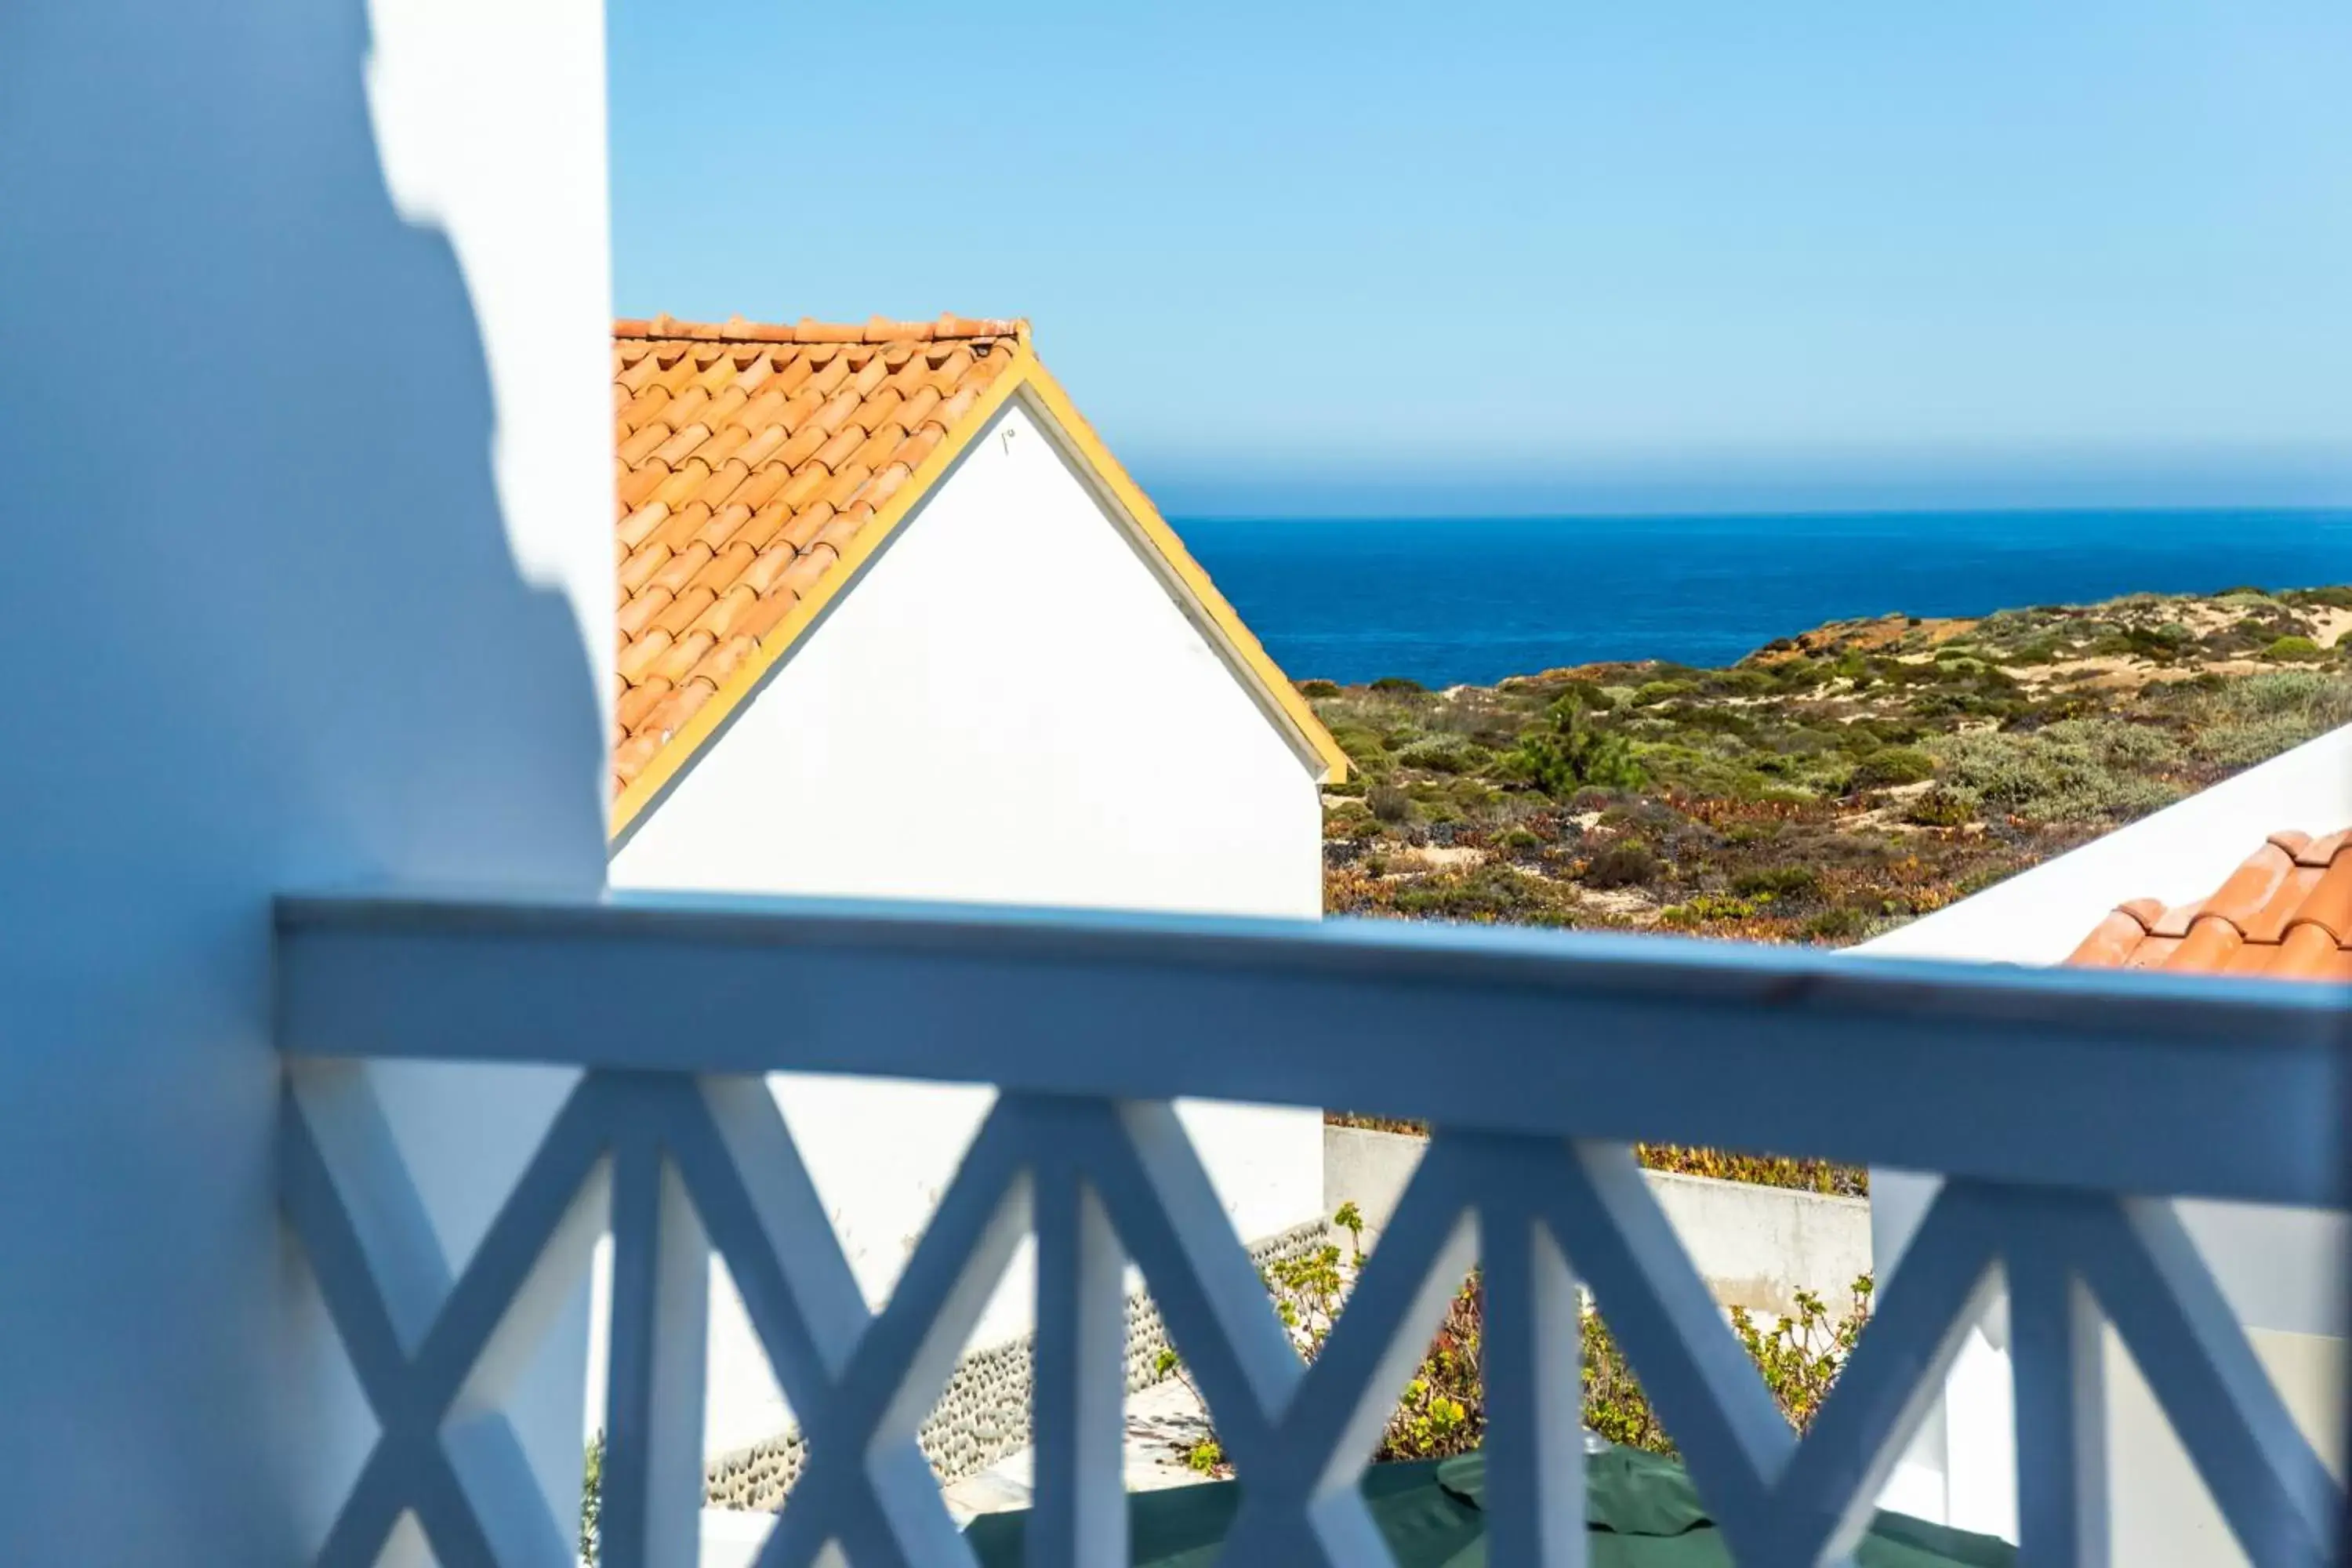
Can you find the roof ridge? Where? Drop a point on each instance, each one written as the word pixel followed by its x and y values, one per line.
pixel 946 328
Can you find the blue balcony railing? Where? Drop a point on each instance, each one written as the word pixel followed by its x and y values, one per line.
pixel 2065 1107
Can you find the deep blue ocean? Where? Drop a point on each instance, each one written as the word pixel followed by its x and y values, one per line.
pixel 1467 599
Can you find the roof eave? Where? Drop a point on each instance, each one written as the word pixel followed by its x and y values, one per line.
pixel 1277 694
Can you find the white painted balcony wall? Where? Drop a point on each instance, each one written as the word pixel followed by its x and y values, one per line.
pixel 304 330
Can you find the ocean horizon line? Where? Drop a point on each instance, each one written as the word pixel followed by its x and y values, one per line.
pixel 1467 600
pixel 1771 514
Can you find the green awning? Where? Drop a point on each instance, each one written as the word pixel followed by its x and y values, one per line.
pixel 1642 1510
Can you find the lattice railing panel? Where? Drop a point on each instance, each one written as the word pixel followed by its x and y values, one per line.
pixel 2061 1106
pixel 680 1166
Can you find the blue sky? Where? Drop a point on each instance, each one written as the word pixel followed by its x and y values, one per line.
pixel 1361 257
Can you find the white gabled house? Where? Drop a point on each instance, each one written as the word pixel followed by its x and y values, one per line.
pixel 893 623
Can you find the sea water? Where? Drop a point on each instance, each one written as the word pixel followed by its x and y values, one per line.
pixel 1451 600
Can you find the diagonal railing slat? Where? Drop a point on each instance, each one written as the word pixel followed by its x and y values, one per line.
pixel 2067 1106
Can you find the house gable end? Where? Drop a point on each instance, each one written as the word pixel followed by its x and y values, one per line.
pixel 1013 705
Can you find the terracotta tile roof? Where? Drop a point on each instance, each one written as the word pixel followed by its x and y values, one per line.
pixel 758 467
pixel 748 460
pixel 2286 913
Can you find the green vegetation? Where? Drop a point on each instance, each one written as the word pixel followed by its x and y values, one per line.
pixel 592 1501
pixel 1442 1410
pixel 1830 785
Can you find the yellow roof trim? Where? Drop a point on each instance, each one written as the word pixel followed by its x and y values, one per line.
pixel 787 633
pixel 1278 687
pixel 691 736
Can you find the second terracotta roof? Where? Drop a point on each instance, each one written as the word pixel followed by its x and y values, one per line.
pixel 2286 913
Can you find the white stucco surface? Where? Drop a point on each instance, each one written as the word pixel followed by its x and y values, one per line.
pixel 282 634
pixel 2280 1268
pixel 1011 706
pixel 1756 1246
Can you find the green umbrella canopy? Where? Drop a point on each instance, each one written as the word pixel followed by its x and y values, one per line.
pixel 1642 1510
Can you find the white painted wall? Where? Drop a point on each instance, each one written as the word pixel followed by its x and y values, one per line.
pixel 2280 1268
pixel 1756 1246
pixel 1010 707
pixel 274 628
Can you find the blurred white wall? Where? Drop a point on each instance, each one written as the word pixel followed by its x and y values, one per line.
pixel 302 594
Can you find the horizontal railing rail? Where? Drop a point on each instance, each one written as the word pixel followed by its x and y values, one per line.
pixel 2066 1106
pixel 2118 1082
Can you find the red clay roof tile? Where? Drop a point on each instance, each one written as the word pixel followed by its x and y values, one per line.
pixel 2285 913
pixel 750 457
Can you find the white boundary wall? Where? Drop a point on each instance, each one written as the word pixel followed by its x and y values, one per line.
pixel 2278 1267
pixel 1011 706
pixel 1756 1246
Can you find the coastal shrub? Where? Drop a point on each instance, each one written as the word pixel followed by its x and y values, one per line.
pixel 1944 806
pixel 1892 765
pixel 1362 744
pixel 1801 673
pixel 1777 881
pixel 1801 1356
pixel 2289 649
pixel 2158 644
pixel 1614 1406
pixel 2038 650
pixel 1626 864
pixel 1319 689
pixel 1442 754
pixel 1389 803
pixel 1518 841
pixel 592 1500
pixel 2078 770
pixel 1756 1170
pixel 1705 909
pixel 2336 596
pixel 1740 680
pixel 1589 696
pixel 1442 1410
pixel 1399 685
pixel 1651 692
pixel 2238 743
pixel 1487 895
pixel 1472 796
pixel 2281 691
pixel 1834 925
pixel 1565 754
pixel 1713 720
